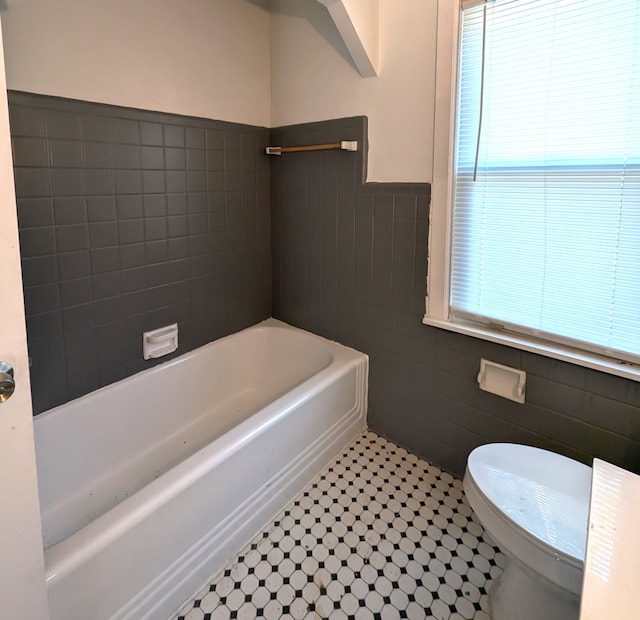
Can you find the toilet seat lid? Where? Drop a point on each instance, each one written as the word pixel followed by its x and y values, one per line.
pixel 544 493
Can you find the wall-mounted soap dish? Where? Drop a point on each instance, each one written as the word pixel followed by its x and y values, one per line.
pixel 159 342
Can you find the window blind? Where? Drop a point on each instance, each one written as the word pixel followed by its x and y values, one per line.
pixel 546 213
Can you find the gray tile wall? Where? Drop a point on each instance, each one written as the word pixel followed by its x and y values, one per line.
pixel 349 262
pixel 130 220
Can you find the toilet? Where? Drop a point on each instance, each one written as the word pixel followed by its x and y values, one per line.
pixel 535 506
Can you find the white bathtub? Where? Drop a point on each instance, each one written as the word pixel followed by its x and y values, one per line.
pixel 149 485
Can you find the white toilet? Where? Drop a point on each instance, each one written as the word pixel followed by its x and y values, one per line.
pixel 535 505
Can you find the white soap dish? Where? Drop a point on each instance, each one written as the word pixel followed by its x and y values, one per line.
pixel 159 342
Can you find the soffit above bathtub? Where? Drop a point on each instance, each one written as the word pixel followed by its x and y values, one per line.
pixel 357 22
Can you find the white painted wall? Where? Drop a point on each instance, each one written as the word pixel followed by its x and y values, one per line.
pixel 313 78
pixel 228 60
pixel 206 58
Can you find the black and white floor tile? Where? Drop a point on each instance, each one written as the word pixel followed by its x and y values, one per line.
pixel 380 534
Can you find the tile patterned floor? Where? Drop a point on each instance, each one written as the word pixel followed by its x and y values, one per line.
pixel 380 534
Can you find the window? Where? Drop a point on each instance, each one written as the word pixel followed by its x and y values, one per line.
pixel 535 231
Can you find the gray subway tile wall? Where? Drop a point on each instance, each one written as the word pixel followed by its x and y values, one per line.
pixel 130 220
pixel 349 263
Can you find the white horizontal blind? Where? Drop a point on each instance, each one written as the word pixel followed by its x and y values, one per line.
pixel 546 239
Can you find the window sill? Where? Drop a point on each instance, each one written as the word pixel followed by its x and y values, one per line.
pixel 558 352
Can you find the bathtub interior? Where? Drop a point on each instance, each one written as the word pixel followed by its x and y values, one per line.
pixel 130 433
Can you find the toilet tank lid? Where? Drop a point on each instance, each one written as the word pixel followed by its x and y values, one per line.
pixel 544 493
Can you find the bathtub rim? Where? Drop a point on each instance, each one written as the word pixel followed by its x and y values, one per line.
pixel 203 379
pixel 108 527
pixel 180 359
pixel 151 602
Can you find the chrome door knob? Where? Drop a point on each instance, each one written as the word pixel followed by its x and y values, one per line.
pixel 7 382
